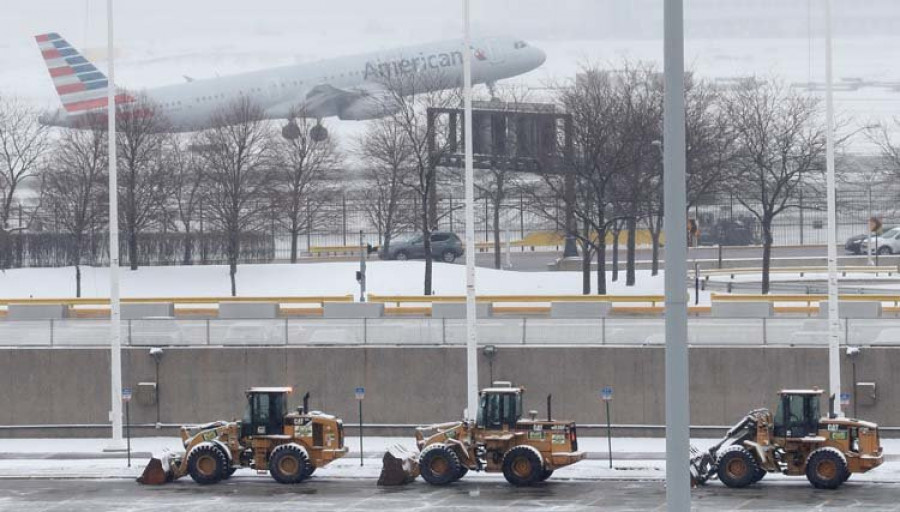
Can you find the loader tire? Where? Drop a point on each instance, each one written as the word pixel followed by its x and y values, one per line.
pixel 228 472
pixel 546 474
pixel 462 472
pixel 288 465
pixel 439 465
pixel 310 469
pixel 760 474
pixel 207 464
pixel 826 468
pixel 737 467
pixel 523 466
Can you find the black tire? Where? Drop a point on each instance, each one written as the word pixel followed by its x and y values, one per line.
pixel 546 474
pixel 310 469
pixel 228 472
pixel 522 466
pixel 207 464
pixel 826 468
pixel 760 474
pixel 448 256
pixel 439 465
pixel 736 467
pixel 885 250
pixel 288 465
pixel 462 472
pixel 401 256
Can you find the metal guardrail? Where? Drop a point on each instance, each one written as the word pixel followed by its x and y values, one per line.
pixel 100 301
pixel 443 332
pixel 801 271
pixel 807 299
pixel 516 299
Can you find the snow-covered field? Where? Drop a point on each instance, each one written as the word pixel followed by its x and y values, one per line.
pixel 306 279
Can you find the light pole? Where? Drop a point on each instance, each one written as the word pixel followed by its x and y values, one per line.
pixel 115 345
pixel 834 322
pixel 471 333
pixel 678 485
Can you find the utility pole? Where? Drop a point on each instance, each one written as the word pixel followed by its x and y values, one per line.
pixel 834 322
pixel 471 333
pixel 678 484
pixel 115 345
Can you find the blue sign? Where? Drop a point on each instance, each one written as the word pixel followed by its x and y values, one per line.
pixel 845 398
pixel 606 393
pixel 126 394
pixel 360 393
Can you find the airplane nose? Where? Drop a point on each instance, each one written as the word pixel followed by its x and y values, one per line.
pixel 540 57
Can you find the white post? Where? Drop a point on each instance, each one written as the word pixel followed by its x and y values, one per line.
pixel 678 483
pixel 115 345
pixel 834 322
pixel 471 329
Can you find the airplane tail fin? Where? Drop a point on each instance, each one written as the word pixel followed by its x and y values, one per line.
pixel 80 85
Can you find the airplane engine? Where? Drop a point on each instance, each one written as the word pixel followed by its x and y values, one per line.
pixel 368 107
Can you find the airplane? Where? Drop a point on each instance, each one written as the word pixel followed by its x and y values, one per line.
pixel 350 88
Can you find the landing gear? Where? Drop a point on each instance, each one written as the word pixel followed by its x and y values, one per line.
pixel 291 131
pixel 318 133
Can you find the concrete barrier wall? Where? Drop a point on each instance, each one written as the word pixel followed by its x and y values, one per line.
pixel 457 310
pixel 349 310
pixel 413 385
pixel 248 310
pixel 134 311
pixel 37 312
pixel 853 309
pixel 743 309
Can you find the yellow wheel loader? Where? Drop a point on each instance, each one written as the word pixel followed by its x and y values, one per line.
pixel 289 445
pixel 527 451
pixel 795 441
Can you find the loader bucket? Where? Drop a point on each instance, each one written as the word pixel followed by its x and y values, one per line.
pixel 701 463
pixel 401 466
pixel 154 474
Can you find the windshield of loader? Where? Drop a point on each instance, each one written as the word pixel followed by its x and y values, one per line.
pixel 265 413
pixel 797 415
pixel 499 409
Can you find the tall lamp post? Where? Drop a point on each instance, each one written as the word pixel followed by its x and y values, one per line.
pixel 678 485
pixel 115 345
pixel 471 333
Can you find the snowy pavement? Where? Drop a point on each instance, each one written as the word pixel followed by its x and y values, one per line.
pixel 640 459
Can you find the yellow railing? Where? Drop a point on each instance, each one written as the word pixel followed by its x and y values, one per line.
pixel 100 301
pixel 807 299
pixel 494 299
pixel 859 269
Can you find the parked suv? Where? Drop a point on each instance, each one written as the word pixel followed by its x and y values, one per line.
pixel 445 246
pixel 854 243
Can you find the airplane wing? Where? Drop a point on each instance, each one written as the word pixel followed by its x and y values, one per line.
pixel 325 100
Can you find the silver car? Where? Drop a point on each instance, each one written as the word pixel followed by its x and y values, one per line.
pixel 445 246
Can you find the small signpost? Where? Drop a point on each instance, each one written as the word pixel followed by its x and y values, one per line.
pixel 845 400
pixel 126 397
pixel 360 396
pixel 607 395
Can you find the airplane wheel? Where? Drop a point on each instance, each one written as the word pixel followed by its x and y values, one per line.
pixel 291 131
pixel 318 133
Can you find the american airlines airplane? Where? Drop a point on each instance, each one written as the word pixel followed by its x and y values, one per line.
pixel 351 88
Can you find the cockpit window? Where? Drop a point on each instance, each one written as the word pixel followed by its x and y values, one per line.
pixel 518 45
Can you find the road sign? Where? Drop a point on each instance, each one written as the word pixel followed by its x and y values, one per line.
pixel 606 393
pixel 126 394
pixel 360 393
pixel 845 399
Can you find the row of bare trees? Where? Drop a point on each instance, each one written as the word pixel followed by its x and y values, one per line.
pixel 757 139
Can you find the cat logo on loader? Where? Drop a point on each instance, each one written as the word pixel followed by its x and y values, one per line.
pixel 290 446
pixel 796 441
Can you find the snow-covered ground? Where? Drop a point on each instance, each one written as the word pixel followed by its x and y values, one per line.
pixel 333 278
pixel 633 459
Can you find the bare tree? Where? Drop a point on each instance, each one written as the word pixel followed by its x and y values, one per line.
pixel 779 139
pixel 387 166
pixel 75 191
pixel 186 179
pixel 302 179
pixel 23 144
pixel 237 152
pixel 143 178
pixel 405 102
pixel 881 136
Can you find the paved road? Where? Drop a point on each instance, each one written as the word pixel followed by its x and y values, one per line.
pixel 248 494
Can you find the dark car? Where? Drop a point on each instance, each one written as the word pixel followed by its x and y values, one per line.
pixel 854 243
pixel 445 246
pixel 729 232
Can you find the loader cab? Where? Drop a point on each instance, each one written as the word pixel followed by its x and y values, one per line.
pixel 499 407
pixel 797 414
pixel 266 408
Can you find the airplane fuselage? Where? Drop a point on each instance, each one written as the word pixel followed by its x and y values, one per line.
pixel 346 87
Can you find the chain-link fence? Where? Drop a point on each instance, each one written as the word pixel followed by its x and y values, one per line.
pixel 723 219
